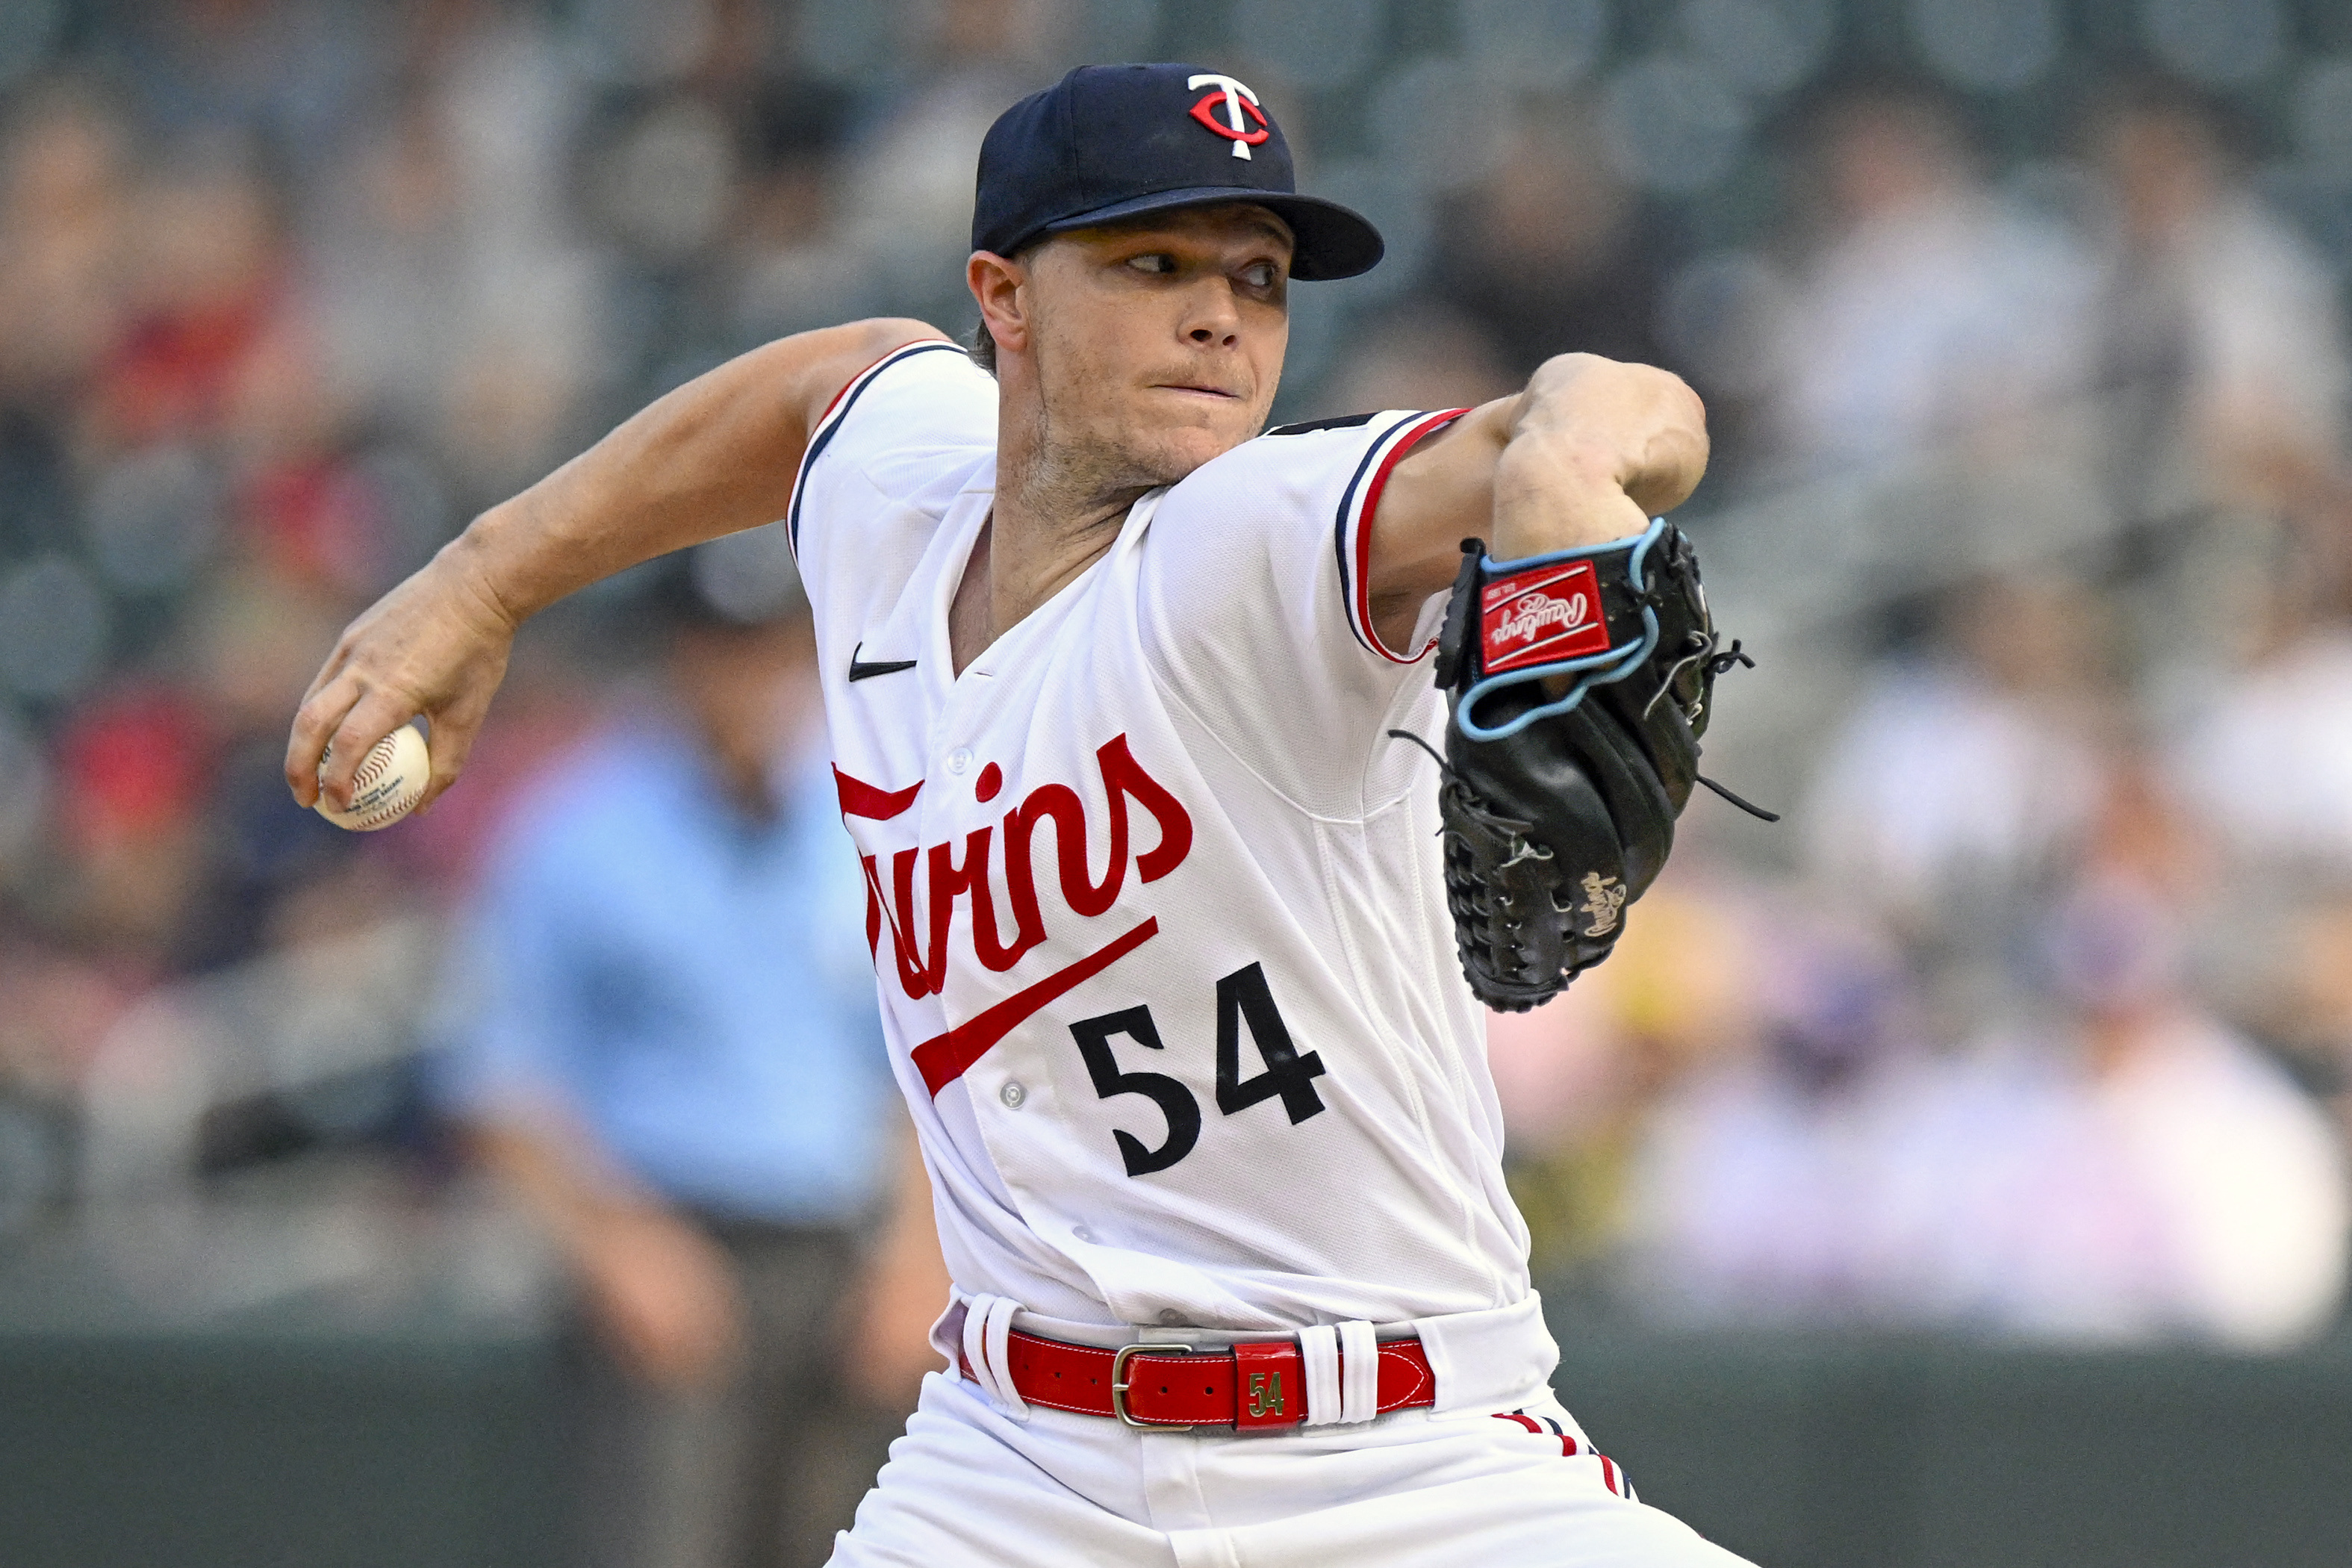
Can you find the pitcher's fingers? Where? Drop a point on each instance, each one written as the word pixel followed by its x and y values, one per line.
pixel 324 708
pixel 337 663
pixel 451 742
pixel 371 719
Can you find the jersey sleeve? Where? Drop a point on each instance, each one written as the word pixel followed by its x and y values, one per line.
pixel 1259 615
pixel 900 442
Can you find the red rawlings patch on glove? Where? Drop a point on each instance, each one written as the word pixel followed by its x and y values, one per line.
pixel 1541 615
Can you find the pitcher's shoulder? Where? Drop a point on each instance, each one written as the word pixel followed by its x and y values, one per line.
pixel 913 428
pixel 1320 471
pixel 1311 450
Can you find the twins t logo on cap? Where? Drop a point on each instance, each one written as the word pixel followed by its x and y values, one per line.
pixel 1238 100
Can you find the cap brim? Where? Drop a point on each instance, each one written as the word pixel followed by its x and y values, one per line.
pixel 1330 241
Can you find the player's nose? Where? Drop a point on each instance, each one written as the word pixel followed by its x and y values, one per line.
pixel 1214 318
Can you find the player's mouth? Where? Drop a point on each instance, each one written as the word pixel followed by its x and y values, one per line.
pixel 1217 392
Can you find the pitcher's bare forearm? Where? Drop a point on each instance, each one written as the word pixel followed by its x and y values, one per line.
pixel 1589 452
pixel 715 457
pixel 1597 448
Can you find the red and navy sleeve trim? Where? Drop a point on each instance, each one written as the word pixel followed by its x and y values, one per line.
pixel 1351 537
pixel 839 409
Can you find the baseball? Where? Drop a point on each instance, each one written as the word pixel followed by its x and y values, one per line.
pixel 390 782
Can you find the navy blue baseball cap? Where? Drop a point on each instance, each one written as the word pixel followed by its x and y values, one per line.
pixel 1115 141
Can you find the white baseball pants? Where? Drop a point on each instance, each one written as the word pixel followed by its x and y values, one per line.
pixel 970 1486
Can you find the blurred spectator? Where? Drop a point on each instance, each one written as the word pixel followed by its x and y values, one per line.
pixel 790 266
pixel 908 186
pixel 254 637
pixel 1965 778
pixel 1922 312
pixel 461 303
pixel 2264 753
pixel 1582 1077
pixel 2300 995
pixel 2125 1169
pixel 66 206
pixel 665 1045
pixel 1426 357
pixel 209 297
pixel 279 67
pixel 2163 1176
pixel 132 767
pixel 1758 1190
pixel 387 252
pixel 1551 254
pixel 56 1005
pixel 2223 333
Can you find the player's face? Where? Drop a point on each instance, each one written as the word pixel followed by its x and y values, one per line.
pixel 1158 345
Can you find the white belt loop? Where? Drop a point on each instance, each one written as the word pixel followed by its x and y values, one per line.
pixel 1319 1354
pixel 1000 1358
pixel 987 1332
pixel 975 1343
pixel 1360 1371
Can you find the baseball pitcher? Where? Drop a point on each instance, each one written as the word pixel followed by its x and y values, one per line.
pixel 1206 783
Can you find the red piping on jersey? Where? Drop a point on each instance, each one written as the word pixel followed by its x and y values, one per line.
pixel 1362 608
pixel 859 798
pixel 942 1058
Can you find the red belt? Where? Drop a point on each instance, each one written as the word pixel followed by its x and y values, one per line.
pixel 1249 1386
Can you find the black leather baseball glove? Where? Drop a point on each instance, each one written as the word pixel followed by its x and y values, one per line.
pixel 1579 684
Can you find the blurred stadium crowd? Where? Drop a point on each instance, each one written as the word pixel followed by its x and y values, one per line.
pixel 2022 321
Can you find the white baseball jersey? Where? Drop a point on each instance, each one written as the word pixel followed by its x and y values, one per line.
pixel 1155 903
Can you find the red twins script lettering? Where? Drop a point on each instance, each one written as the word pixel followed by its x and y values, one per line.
pixel 1541 615
pixel 950 876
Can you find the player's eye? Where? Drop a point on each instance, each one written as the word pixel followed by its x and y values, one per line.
pixel 1261 275
pixel 1154 261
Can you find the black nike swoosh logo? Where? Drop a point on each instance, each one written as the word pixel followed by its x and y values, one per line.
pixel 859 671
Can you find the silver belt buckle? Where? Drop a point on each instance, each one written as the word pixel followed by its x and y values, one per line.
pixel 1119 1385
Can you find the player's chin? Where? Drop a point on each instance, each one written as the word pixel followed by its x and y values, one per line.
pixel 1179 452
pixel 1201 427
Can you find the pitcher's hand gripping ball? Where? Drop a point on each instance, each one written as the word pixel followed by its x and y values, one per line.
pixel 391 781
pixel 1560 809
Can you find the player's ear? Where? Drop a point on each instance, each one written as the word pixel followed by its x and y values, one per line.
pixel 995 282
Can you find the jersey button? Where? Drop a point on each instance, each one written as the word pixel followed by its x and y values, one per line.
pixel 1012 1094
pixel 959 761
